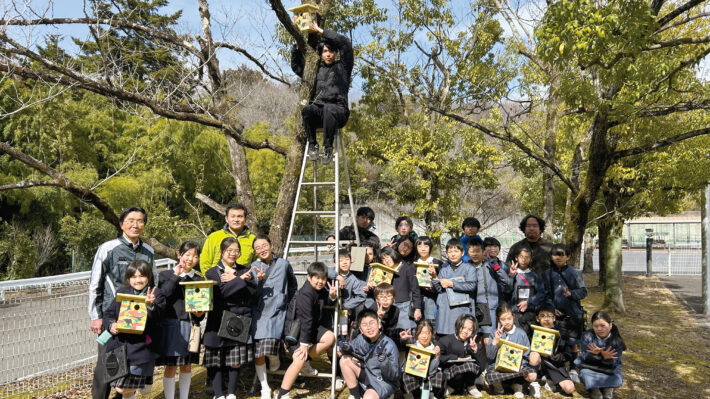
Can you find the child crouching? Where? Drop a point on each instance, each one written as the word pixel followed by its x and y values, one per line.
pixel 600 362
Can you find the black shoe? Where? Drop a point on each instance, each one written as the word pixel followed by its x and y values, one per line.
pixel 327 155
pixel 313 152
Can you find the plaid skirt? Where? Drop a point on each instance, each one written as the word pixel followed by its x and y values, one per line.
pixel 266 346
pixel 411 383
pixel 132 381
pixel 441 376
pixel 494 376
pixel 192 358
pixel 229 356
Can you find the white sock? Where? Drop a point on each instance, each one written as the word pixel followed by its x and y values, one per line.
pixel 169 387
pixel 261 376
pixel 184 383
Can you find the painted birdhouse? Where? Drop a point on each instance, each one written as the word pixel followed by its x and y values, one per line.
pixel 423 277
pixel 198 295
pixel 132 315
pixel 418 360
pixel 379 274
pixel 509 357
pixel 543 340
pixel 304 15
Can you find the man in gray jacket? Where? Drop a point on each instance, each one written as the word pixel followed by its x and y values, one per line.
pixel 108 275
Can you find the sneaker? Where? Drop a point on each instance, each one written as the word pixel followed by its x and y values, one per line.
pixel 327 155
pixel 308 371
pixel 449 392
pixel 518 388
pixel 276 395
pixel 535 389
pixel 274 362
pixel 313 152
pixel 221 397
pixel 473 391
pixel 498 388
pixel 351 397
pixel 595 393
pixel 607 393
pixel 231 396
pixel 339 384
pixel 574 376
pixel 265 393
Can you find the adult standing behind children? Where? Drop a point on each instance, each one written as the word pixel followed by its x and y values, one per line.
pixel 235 227
pixel 329 107
pixel 107 276
pixel 532 226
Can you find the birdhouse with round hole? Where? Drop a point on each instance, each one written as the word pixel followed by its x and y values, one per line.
pixel 379 274
pixel 543 340
pixel 418 360
pixel 198 295
pixel 303 16
pixel 132 314
pixel 510 356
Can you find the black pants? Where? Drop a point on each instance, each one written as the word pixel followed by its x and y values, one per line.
pixel 99 388
pixel 330 117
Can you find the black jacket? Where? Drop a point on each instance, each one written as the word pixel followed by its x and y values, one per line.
pixel 406 286
pixel 236 296
pixel 333 81
pixel 309 305
pixel 174 295
pixel 451 349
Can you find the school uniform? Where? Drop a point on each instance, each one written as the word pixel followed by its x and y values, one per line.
pixel 591 364
pixel 407 292
pixel 236 296
pixel 274 293
pixel 176 323
pixel 309 304
pixel 554 367
pixel 446 315
pixel 493 283
pixel 461 374
pixel 379 371
pixel 523 288
pixel 411 383
pixel 388 324
pixel 551 285
pixel 352 294
pixel 429 294
pixel 141 349
pixel 515 335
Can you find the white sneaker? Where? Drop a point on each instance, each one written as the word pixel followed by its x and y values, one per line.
pixel 473 391
pixel 595 393
pixel 231 396
pixel 535 389
pixel 274 362
pixel 518 388
pixel 276 395
pixel 308 371
pixel 607 393
pixel 221 397
pixel 351 397
pixel 339 384
pixel 265 393
pixel 498 388
pixel 574 376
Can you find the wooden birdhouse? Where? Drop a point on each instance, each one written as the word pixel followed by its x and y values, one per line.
pixel 423 277
pixel 379 274
pixel 509 357
pixel 304 15
pixel 418 360
pixel 132 315
pixel 543 340
pixel 198 295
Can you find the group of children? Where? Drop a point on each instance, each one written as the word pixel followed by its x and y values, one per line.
pixel 500 302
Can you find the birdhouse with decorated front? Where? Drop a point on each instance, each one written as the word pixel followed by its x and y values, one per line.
pixel 543 340
pixel 418 360
pixel 132 315
pixel 303 16
pixel 379 274
pixel 198 295
pixel 423 277
pixel 509 357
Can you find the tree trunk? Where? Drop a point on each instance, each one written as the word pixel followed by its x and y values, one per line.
pixel 613 294
pixel 603 243
pixel 242 182
pixel 550 148
pixel 588 252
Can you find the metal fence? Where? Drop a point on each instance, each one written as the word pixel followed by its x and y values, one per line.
pixel 668 261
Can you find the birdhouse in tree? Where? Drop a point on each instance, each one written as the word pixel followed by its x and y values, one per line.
pixel 423 277
pixel 132 315
pixel 379 274
pixel 509 357
pixel 543 340
pixel 418 360
pixel 198 295
pixel 304 15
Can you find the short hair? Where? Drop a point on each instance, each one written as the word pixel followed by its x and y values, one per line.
pixel 491 242
pixel 139 265
pixel 343 252
pixel 389 251
pixel 317 269
pixel 471 221
pixel 261 237
pixel 558 246
pixel 323 44
pixel 475 242
pixel 546 308
pixel 383 288
pixel 236 205
pixel 366 313
pixel 366 211
pixel 461 320
pixel 503 308
pixel 524 248
pixel 424 240
pixel 227 242
pixel 525 221
pixel 405 219
pixel 188 245
pixel 454 243
pixel 130 209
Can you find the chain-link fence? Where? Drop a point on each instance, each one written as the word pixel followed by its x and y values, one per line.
pixel 668 261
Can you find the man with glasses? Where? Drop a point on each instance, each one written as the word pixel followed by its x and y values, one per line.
pixel 533 226
pixel 108 275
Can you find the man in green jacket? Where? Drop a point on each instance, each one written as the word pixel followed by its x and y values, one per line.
pixel 235 227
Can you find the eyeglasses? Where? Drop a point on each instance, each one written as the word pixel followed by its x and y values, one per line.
pixel 365 324
pixel 547 316
pixel 261 247
pixel 232 251
pixel 138 222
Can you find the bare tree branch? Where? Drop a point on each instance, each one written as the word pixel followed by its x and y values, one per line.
pixel 681 22
pixel 679 41
pixel 662 110
pixel 28 184
pixel 660 143
pixel 287 23
pixel 254 60
pixel 211 203
pixel 681 9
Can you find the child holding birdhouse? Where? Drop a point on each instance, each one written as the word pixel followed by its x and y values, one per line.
pixel 414 372
pixel 512 361
pixel 133 322
pixel 424 247
pixel 178 321
pixel 552 366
